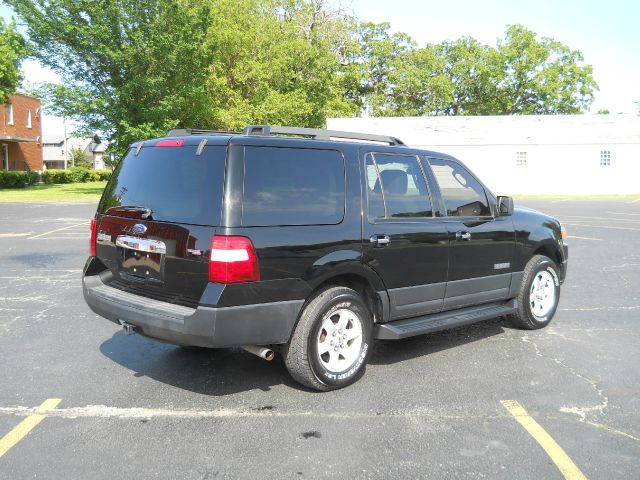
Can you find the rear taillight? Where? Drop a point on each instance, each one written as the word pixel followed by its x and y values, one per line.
pixel 233 259
pixel 94 233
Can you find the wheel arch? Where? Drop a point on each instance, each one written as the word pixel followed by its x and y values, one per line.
pixel 358 277
pixel 550 250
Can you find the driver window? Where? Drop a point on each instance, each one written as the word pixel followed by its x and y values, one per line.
pixel 462 194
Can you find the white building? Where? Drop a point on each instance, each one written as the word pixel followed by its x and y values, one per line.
pixel 53 151
pixel 535 155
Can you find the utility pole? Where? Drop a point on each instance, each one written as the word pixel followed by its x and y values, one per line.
pixel 64 123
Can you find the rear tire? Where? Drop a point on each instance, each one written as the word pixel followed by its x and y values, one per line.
pixel 331 343
pixel 539 294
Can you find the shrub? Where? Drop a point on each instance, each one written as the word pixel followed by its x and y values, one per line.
pixel 56 176
pixel 103 175
pixel 13 179
pixel 75 175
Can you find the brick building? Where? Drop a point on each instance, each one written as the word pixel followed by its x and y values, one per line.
pixel 20 134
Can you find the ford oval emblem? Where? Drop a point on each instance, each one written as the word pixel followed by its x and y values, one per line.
pixel 138 229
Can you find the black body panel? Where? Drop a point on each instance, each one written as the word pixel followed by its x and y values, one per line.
pixel 538 233
pixel 182 271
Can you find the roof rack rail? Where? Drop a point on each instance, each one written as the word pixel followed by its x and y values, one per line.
pixel 319 134
pixel 183 132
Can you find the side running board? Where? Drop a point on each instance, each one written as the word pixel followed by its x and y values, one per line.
pixel 410 327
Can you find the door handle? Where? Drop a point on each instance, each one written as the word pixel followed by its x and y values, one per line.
pixel 463 236
pixel 380 240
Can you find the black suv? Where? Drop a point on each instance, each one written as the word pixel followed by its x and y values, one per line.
pixel 311 244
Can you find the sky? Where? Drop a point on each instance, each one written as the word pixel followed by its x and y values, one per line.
pixel 606 32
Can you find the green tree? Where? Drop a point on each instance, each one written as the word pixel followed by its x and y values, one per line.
pixel 79 158
pixel 275 61
pixel 13 50
pixel 522 75
pixel 473 70
pixel 418 84
pixel 371 64
pixel 132 69
pixel 541 76
pixel 452 78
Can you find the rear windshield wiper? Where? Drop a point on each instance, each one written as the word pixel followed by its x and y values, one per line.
pixel 145 213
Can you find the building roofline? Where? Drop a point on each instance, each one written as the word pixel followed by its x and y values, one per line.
pixel 9 138
pixel 25 96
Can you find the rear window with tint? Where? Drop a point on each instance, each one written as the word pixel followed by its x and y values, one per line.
pixel 175 183
pixel 293 186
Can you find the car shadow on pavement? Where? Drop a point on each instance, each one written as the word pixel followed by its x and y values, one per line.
pixel 206 371
pixel 227 371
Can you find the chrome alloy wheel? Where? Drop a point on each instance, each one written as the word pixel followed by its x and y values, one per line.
pixel 339 340
pixel 542 296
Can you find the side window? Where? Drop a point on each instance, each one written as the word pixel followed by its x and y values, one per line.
pixel 396 187
pixel 293 186
pixel 462 193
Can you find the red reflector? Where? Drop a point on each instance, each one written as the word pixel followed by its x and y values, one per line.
pixel 94 234
pixel 233 259
pixel 170 143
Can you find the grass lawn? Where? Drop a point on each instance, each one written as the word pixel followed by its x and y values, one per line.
pixel 67 192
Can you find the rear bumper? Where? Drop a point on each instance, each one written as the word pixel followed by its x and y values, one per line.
pixel 258 324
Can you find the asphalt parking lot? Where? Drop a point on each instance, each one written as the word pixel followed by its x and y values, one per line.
pixel 428 407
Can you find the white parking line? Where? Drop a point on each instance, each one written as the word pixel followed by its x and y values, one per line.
pixel 601 226
pixel 64 238
pixel 584 238
pixel 604 219
pixel 623 213
pixel 103 411
pixel 14 235
pixel 57 230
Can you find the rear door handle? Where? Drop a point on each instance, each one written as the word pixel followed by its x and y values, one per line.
pixel 463 236
pixel 380 240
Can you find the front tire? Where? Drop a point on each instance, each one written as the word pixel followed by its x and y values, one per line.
pixel 539 294
pixel 331 343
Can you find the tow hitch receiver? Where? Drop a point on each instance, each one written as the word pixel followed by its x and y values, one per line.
pixel 128 328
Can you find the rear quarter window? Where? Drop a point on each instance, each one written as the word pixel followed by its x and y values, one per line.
pixel 293 186
pixel 175 183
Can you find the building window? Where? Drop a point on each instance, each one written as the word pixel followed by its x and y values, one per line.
pixel 28 118
pixel 605 158
pixel 521 159
pixel 10 114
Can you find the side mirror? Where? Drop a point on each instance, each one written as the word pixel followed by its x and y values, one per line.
pixel 505 206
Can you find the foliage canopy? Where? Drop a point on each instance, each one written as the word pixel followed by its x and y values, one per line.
pixel 134 69
pixel 13 50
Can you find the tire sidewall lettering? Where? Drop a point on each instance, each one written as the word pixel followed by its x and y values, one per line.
pixel 552 271
pixel 333 378
pixel 554 274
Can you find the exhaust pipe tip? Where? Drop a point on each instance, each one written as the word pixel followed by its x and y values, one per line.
pixel 128 328
pixel 262 352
